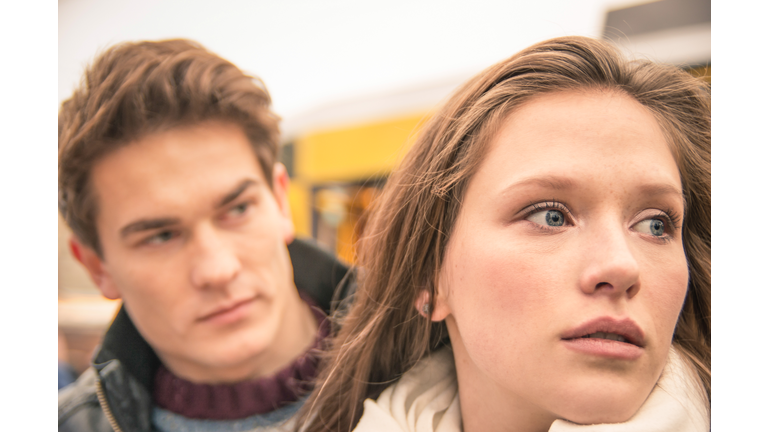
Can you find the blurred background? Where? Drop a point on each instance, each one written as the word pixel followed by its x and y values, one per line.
pixel 352 81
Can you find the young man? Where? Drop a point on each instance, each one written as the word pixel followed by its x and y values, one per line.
pixel 169 180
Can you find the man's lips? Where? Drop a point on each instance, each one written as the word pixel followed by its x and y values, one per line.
pixel 225 308
pixel 608 328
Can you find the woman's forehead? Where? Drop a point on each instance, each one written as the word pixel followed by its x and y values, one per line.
pixel 561 139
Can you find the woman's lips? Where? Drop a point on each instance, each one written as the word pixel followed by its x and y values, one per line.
pixel 607 337
pixel 229 313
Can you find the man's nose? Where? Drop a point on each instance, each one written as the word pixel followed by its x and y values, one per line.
pixel 610 265
pixel 215 263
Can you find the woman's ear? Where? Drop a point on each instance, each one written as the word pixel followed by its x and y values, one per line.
pixel 435 311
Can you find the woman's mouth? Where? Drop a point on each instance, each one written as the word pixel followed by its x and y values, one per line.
pixel 609 337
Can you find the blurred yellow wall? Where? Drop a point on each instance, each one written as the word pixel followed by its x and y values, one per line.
pixel 355 153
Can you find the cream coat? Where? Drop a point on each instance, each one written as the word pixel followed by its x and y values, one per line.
pixel 426 399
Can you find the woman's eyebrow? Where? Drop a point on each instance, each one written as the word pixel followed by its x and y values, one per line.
pixel 566 183
pixel 546 181
pixel 660 189
pixel 663 189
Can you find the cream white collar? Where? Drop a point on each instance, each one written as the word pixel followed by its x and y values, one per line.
pixel 426 399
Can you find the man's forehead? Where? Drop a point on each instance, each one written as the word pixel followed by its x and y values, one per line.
pixel 179 170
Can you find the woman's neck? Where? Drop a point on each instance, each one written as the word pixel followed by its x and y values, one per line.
pixel 486 406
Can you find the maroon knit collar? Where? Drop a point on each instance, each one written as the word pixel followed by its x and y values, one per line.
pixel 243 399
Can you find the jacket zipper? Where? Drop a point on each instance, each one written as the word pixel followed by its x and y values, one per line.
pixel 105 406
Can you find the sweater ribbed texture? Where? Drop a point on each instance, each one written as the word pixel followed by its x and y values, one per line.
pixel 243 399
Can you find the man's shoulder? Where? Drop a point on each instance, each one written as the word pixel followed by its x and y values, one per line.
pixel 316 272
pixel 82 391
pixel 79 408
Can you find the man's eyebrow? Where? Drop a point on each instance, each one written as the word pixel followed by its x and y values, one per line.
pixel 146 225
pixel 240 188
pixel 152 224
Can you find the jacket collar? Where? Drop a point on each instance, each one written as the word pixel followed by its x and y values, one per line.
pixel 124 342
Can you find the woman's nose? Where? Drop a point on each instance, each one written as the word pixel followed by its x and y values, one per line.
pixel 216 263
pixel 610 266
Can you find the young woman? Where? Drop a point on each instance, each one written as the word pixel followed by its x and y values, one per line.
pixel 540 261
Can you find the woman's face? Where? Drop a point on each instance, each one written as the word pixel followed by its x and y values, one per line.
pixel 571 227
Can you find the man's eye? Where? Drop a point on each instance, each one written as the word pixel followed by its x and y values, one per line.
pixel 654 227
pixel 553 218
pixel 161 237
pixel 238 209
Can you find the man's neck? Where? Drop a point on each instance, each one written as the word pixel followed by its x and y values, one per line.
pixel 296 336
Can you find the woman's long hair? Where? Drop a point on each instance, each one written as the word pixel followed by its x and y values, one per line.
pixel 403 247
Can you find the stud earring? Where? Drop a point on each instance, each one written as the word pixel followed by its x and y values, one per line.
pixel 427 308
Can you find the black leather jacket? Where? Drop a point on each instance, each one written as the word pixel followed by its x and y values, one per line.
pixel 115 393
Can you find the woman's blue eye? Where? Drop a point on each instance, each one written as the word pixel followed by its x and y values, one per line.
pixel 654 227
pixel 553 218
pixel 657 227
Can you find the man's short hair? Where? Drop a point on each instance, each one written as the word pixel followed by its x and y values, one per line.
pixel 134 89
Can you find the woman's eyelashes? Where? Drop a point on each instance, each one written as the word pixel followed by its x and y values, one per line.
pixel 654 227
pixel 549 215
pixel 663 225
pixel 553 216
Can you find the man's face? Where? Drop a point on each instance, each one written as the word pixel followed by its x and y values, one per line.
pixel 194 242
